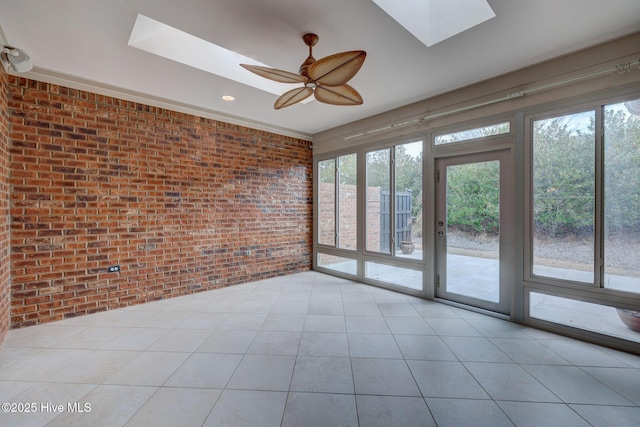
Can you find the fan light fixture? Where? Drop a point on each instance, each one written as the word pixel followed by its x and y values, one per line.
pixel 325 78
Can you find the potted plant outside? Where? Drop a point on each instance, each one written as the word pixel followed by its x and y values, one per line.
pixel 406 244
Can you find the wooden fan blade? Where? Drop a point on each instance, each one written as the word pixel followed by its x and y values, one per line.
pixel 292 97
pixel 275 74
pixel 336 70
pixel 338 95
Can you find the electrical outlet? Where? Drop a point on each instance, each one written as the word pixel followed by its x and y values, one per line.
pixel 113 268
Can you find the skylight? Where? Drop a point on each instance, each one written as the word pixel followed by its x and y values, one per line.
pixel 432 21
pixel 169 42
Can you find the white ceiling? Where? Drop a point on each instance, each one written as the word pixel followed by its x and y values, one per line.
pixel 88 40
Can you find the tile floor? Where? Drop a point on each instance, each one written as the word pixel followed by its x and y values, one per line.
pixel 309 350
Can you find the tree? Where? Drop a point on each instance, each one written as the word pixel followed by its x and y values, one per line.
pixel 564 174
pixel 348 169
pixel 621 170
pixel 327 171
pixel 473 197
pixel 378 168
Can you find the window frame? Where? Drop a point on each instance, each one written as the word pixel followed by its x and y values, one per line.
pixel 599 292
pixel 392 146
pixel 529 196
pixel 337 198
pixel 470 128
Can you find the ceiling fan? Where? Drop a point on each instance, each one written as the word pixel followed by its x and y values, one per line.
pixel 325 78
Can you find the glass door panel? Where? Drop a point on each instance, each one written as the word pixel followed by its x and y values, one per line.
pixel 473 229
pixel 469 221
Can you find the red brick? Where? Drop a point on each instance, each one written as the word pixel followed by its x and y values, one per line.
pixel 173 199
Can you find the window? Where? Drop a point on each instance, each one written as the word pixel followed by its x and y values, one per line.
pixel 394 218
pixel 338 264
pixel 481 132
pixel 348 206
pixel 622 196
pixel 589 316
pixel 378 221
pixel 408 195
pixel 327 202
pixel 337 202
pixel 564 196
pixel 398 276
pixel 585 211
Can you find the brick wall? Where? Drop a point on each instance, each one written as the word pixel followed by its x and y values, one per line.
pixel 374 200
pixel 327 213
pixel 181 203
pixel 5 283
pixel 348 217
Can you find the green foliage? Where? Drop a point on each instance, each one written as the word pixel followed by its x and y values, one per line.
pixel 563 177
pixel 564 174
pixel 378 169
pixel 348 169
pixel 408 177
pixel 327 171
pixel 408 171
pixel 473 197
pixel 622 171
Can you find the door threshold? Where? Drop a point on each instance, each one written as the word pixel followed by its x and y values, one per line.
pixel 474 309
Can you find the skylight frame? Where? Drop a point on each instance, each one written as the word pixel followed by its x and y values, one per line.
pixel 433 21
pixel 171 43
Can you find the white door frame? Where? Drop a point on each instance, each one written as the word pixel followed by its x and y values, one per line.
pixel 507 245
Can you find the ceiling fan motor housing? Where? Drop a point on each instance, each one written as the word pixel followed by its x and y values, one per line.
pixel 310 40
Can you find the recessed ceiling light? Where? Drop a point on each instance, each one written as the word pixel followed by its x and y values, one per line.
pixel 228 98
pixel 169 42
pixel 432 21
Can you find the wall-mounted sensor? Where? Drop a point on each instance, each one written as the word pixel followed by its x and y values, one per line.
pixel 19 61
pixel 113 268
